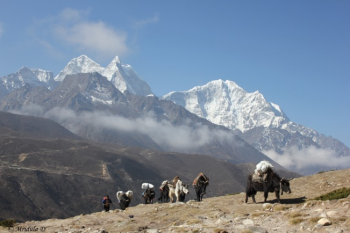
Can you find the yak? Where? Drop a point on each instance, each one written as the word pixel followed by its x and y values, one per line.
pixel 148 196
pixel 179 191
pixel 274 183
pixel 200 184
pixel 124 199
pixel 164 192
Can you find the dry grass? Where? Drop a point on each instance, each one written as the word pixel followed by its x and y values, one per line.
pixel 294 214
pixel 257 214
pixel 313 220
pixel 339 220
pixel 347 223
pixel 193 221
pixel 281 208
pixel 246 231
pixel 218 230
pixel 295 221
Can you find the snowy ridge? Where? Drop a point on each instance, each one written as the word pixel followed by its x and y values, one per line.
pixel 225 103
pixel 81 64
pixel 33 77
pixel 122 76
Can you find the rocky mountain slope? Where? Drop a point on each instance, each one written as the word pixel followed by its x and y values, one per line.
pixel 56 174
pixel 297 213
pixel 13 125
pixel 92 107
pixel 262 124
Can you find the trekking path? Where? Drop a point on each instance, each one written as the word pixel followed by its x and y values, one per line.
pixel 225 213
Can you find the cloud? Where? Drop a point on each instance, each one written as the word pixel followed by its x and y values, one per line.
pixel 177 138
pixel 308 158
pixel 73 28
pixel 95 37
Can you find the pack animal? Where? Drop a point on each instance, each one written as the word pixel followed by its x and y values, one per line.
pixel 149 195
pixel 164 192
pixel 124 199
pixel 173 196
pixel 274 183
pixel 200 184
pixel 181 190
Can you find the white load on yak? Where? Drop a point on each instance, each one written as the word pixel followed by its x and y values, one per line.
pixel 261 171
pixel 148 194
pixel 147 186
pixel 262 167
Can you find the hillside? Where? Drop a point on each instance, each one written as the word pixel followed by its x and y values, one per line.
pixel 32 127
pixel 46 171
pixel 297 213
pixel 57 178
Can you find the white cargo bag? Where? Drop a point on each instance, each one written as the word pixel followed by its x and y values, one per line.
pixel 147 186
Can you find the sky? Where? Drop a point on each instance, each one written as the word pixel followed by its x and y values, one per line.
pixel 296 53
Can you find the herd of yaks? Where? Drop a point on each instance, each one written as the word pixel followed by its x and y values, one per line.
pixel 168 190
pixel 176 188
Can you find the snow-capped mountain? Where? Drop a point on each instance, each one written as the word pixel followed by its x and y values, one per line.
pixel 83 85
pixel 34 77
pixel 262 124
pixel 122 76
pixel 225 103
pixel 92 107
pixel 81 64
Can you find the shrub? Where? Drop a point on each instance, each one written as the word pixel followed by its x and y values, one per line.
pixel 336 194
pixel 320 172
pixel 230 194
pixel 7 223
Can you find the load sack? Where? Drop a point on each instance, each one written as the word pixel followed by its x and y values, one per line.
pixel 147 186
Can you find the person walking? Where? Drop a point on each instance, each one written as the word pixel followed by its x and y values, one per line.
pixel 106 203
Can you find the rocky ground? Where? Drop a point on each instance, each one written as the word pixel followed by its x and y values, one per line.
pixel 297 213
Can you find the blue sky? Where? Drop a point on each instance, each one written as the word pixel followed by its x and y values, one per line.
pixel 296 53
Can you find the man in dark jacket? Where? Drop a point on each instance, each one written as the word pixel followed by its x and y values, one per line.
pixel 106 202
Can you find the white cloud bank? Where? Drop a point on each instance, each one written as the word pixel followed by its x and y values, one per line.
pixel 308 158
pixel 179 138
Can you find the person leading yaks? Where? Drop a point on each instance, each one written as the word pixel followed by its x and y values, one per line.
pixel 106 201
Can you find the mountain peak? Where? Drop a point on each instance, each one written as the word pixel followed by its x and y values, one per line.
pixel 116 60
pixel 225 103
pixel 81 64
pixel 23 68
